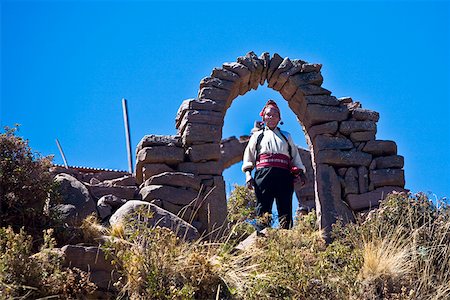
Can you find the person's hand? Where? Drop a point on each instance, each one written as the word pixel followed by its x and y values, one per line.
pixel 249 181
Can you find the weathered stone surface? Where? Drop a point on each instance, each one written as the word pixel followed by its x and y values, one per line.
pixel 67 214
pixel 325 128
pixel 363 179
pixel 196 133
pixel 213 208
pixel 340 158
pixel 255 67
pixel 158 140
pixel 215 94
pixel 275 61
pixel 345 100
pixel 288 85
pixel 347 127
pixel 126 180
pixel 159 217
pixel 200 116
pixel 362 136
pixel 204 152
pixel 160 154
pixel 86 258
pixel 323 142
pixel 287 75
pixel 371 199
pixel 351 181
pixel 317 114
pixel 185 212
pixel 215 82
pixel 168 193
pixel 199 104
pixel 392 161
pixel 232 151
pixel 265 58
pixel 107 204
pixel 209 167
pixel 148 170
pixel 381 148
pixel 365 115
pixel 225 74
pixel 244 75
pixel 123 192
pixel 310 90
pixel 311 68
pixel 322 100
pixel 285 65
pixel 387 177
pixel 75 193
pixel 176 179
pixel 330 206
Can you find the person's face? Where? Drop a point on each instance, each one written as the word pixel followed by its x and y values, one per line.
pixel 271 117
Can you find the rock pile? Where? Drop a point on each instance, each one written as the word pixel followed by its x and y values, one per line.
pixel 352 169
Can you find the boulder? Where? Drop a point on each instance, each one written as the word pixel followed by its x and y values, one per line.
pixel 122 192
pixel 107 204
pixel 66 214
pixel 159 217
pixel 86 258
pixel 75 193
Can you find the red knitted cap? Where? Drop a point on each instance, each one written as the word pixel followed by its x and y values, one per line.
pixel 272 104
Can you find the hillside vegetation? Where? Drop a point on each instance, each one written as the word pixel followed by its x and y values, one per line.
pixel 399 251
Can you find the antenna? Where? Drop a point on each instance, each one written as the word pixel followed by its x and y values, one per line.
pixel 127 134
pixel 62 153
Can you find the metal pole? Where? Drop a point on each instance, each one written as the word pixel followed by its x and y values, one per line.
pixel 62 153
pixel 127 134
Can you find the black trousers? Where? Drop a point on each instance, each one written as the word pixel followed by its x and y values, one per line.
pixel 274 184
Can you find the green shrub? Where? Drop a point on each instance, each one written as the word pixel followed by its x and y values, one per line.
pixel 25 184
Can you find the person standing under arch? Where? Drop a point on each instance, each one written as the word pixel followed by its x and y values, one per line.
pixel 275 157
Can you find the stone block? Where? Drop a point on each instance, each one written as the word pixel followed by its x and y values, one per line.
pixel 381 148
pixel 199 104
pixel 325 128
pixel 214 94
pixel 265 58
pixel 149 170
pixel 310 90
pixel 347 127
pixel 169 155
pixel 311 68
pixel 232 151
pixel 185 212
pixel 88 259
pixel 331 206
pixel 317 114
pixel 225 74
pixel 365 115
pixel 176 179
pixel 200 116
pixel 371 199
pixel 196 133
pixel 275 61
pixel 123 192
pixel 244 75
pixel 322 100
pixel 209 167
pixel 363 179
pixel 286 76
pixel 167 193
pixel 392 161
pixel 351 181
pixel 285 65
pixel 340 158
pixel 323 142
pixel 213 209
pixel 362 136
pixel 215 82
pixel 204 152
pixel 158 140
pixel 387 177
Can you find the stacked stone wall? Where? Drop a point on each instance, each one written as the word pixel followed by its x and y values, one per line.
pixel 351 169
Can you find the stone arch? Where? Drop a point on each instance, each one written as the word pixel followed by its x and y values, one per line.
pixel 352 169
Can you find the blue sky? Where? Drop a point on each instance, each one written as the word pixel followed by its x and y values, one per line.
pixel 66 65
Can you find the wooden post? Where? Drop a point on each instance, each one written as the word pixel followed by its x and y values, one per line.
pixel 62 154
pixel 127 134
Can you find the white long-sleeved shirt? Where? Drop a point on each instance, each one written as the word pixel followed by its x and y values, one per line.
pixel 271 143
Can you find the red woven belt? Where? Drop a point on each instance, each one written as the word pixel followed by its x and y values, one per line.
pixel 273 160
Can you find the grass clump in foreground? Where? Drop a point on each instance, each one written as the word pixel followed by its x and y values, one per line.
pixel 399 251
